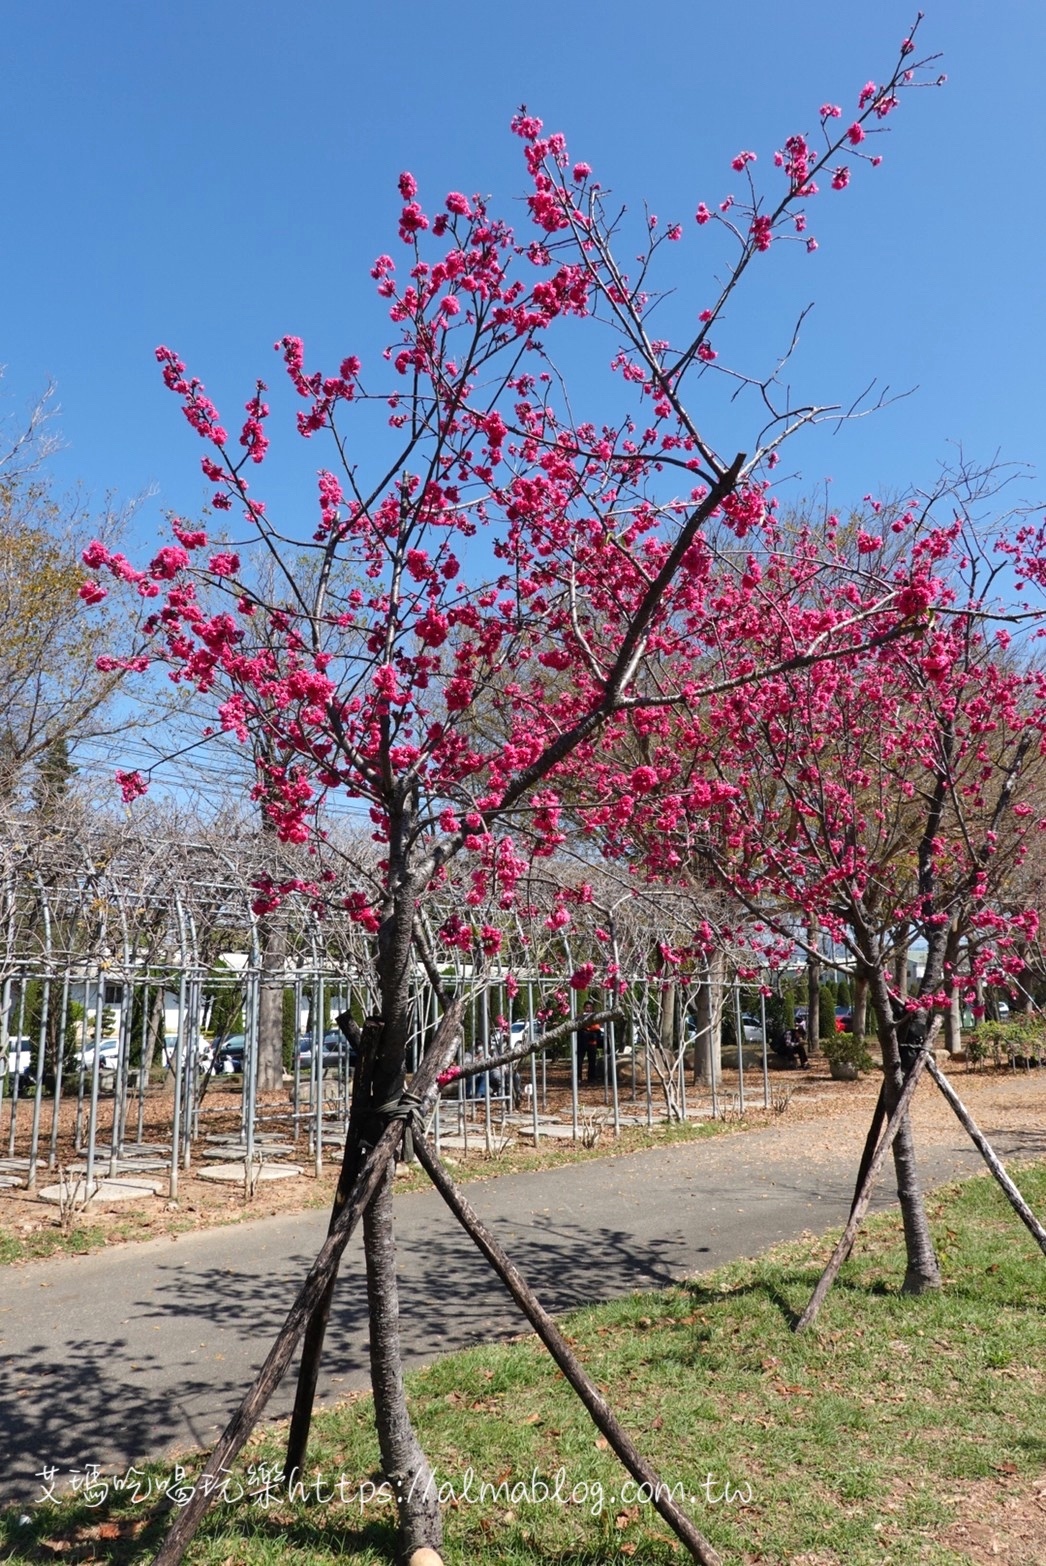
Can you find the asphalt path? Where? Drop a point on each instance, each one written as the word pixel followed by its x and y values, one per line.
pixel 143 1351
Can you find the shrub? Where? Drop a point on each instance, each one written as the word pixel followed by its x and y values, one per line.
pixel 826 1013
pixel 844 1049
pixel 1007 1043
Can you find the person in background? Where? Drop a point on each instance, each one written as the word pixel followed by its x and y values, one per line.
pixel 589 1041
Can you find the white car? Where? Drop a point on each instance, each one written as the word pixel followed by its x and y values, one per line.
pixel 204 1051
pixel 18 1058
pixel 108 1056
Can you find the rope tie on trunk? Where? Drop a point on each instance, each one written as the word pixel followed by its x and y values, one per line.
pixel 407 1108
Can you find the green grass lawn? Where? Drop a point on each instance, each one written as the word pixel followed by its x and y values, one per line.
pixel 850 1444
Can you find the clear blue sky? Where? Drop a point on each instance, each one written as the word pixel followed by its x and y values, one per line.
pixel 212 174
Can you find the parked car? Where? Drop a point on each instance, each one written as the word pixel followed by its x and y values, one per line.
pixel 203 1049
pixel 108 1056
pixel 336 1049
pixel 19 1059
pixel 752 1029
pixel 228 1057
pixel 843 1018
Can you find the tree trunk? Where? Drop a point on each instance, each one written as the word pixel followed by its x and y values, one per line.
pixel 272 935
pixel 813 993
pixel 154 1033
pixel 863 1194
pixel 860 1007
pixel 351 1163
pixel 404 1464
pixel 669 998
pixel 709 1042
pixel 953 1025
pixel 922 1271
pixel 900 963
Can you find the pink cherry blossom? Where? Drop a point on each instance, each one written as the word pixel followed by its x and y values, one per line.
pixel 132 785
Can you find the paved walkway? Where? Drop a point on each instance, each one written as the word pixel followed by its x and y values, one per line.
pixel 145 1350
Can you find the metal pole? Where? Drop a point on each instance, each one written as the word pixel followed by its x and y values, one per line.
pixel 122 1049
pixel 533 1064
pixel 176 1069
pixel 317 1074
pixel 92 1116
pixel 740 1047
pixel 611 1059
pixel 646 1056
pixel 296 1116
pixel 34 1140
pixel 143 1054
pixel 5 1036
pixel 713 1052
pixel 15 1074
pixel 52 1151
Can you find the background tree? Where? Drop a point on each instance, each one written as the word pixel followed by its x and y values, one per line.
pixel 58 672
pixel 894 792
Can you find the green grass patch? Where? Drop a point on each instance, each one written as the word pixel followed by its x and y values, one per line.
pixel 42 1243
pixel 844 1445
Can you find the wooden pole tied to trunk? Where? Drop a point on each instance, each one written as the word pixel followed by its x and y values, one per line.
pixel 550 1335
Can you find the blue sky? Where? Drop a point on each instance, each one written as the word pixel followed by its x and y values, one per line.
pixel 212 175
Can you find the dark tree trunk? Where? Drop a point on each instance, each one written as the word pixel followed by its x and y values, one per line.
pixel 405 1465
pixel 860 1007
pixel 862 1197
pixel 922 1271
pixel 153 1033
pixel 900 962
pixel 813 992
pixel 419 1518
pixel 379 1087
pixel 316 1331
pixel 669 1023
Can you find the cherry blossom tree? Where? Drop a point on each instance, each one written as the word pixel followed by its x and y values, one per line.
pixel 894 791
pixel 484 611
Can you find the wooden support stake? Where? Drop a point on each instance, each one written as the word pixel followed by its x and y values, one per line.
pixel 870 1144
pixel 980 1141
pixel 323 1269
pixel 863 1197
pixel 270 1375
pixel 557 1346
